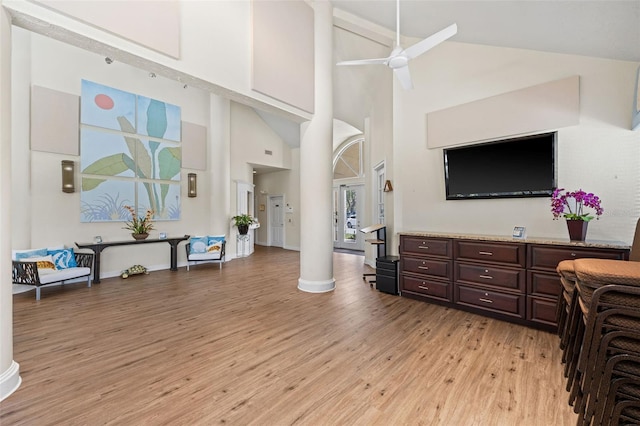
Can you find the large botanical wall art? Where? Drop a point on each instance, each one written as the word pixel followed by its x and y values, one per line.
pixel 130 155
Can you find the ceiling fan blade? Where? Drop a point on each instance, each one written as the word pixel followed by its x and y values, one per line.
pixel 404 77
pixel 422 46
pixel 382 61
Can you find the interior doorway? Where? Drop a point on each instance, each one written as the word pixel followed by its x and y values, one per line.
pixel 275 233
pixel 348 209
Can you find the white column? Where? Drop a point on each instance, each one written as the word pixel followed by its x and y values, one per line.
pixel 219 149
pixel 316 147
pixel 9 369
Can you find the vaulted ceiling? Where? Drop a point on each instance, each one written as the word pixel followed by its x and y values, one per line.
pixel 600 28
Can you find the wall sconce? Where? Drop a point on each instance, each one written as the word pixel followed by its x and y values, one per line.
pixel 192 185
pixel 68 172
pixel 387 186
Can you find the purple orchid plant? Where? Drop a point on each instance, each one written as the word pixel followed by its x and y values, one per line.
pixel 571 205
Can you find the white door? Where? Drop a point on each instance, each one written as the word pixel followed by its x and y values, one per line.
pixel 276 221
pixel 348 211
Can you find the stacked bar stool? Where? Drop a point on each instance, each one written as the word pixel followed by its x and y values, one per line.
pixel 573 327
pixel 603 340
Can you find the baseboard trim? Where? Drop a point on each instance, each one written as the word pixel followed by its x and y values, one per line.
pixel 10 380
pixel 316 286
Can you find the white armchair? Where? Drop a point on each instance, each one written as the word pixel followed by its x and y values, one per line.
pixel 206 249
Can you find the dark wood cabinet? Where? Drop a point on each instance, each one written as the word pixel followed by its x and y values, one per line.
pixel 426 268
pixel 514 280
pixel 543 282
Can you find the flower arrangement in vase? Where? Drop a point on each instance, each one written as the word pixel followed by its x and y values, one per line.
pixel 571 206
pixel 140 227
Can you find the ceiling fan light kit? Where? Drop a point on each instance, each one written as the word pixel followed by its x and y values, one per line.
pixel 399 58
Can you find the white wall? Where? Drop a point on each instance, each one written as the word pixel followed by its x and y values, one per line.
pixel 599 155
pixel 56 216
pixel 287 184
pixel 251 137
pixel 214 43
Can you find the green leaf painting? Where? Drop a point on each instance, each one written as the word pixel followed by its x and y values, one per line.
pixel 111 159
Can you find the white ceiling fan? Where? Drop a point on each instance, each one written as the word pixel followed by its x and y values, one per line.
pixel 399 58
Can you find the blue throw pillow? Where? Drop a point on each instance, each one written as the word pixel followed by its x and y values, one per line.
pixel 63 259
pixel 214 243
pixel 198 245
pixel 24 254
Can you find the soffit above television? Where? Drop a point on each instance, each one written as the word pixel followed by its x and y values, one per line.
pixel 508 168
pixel 542 107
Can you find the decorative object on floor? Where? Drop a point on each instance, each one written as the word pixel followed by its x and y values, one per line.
pixel 571 206
pixel 192 185
pixel 134 270
pixel 139 226
pixel 242 221
pixel 68 172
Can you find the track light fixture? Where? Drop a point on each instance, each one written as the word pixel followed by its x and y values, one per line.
pixel 152 74
pixel 108 60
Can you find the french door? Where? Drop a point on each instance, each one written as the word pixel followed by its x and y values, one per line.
pixel 348 206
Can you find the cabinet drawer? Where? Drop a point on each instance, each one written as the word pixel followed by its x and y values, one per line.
pixel 545 257
pixel 426 246
pixel 437 289
pixel 541 310
pixel 513 279
pixel 509 304
pixel 485 252
pixel 386 284
pixel 432 267
pixel 386 269
pixel 544 284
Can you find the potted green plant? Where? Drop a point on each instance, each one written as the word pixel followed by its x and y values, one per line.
pixel 242 221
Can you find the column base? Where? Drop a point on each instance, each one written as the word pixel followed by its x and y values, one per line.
pixel 10 380
pixel 316 286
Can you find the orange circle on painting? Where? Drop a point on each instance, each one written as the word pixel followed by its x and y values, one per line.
pixel 104 101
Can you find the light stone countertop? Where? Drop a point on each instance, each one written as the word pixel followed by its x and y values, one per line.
pixel 529 240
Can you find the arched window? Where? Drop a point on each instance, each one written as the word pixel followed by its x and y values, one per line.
pixel 348 161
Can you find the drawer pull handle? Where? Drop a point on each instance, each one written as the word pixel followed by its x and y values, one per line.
pixel 423 247
pixel 485 253
pixel 573 254
pixel 482 299
pixel 486 277
pixel 423 287
pixel 423 267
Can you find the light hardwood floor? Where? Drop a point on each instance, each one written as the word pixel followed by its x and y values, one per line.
pixel 243 346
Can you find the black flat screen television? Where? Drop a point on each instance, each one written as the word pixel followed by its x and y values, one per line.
pixel 517 167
